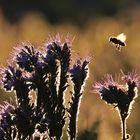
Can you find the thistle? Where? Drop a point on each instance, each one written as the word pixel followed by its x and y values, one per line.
pixel 46 73
pixel 120 95
pixel 79 74
pixel 6 120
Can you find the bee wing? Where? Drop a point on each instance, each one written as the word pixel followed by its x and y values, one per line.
pixel 121 37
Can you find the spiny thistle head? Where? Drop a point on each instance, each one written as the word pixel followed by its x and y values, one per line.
pixel 6 118
pixel 79 72
pixel 11 77
pixel 26 56
pixel 55 48
pixel 120 94
pixel 131 78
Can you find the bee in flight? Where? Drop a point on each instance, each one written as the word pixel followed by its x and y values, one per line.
pixel 119 41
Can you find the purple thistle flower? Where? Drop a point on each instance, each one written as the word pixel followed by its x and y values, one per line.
pixel 53 40
pixel 107 89
pixel 132 78
pixel 111 91
pixel 26 56
pixel 120 94
pixel 79 72
pixel 6 120
pixel 56 47
pixel 11 77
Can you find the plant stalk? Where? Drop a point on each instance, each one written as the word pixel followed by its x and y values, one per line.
pixel 123 125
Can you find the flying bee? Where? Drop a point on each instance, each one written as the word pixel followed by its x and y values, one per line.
pixel 119 41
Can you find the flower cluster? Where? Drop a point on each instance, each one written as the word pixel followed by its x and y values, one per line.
pixel 121 95
pixel 45 73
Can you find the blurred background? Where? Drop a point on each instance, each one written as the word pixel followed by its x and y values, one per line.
pixel 91 23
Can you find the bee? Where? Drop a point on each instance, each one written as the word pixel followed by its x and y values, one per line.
pixel 119 41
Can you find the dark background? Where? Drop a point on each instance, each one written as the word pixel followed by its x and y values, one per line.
pixel 56 11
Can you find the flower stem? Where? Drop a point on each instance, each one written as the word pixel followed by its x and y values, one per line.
pixel 123 123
